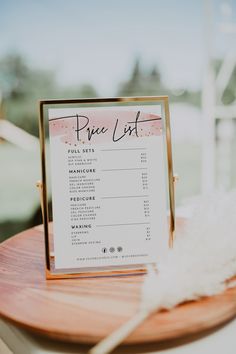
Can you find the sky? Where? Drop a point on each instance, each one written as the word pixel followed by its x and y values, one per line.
pixel 97 41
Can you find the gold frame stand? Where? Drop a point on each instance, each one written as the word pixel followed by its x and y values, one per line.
pixel 42 184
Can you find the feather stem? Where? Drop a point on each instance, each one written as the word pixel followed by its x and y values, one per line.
pixel 118 336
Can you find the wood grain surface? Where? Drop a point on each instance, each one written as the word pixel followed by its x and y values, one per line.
pixel 86 310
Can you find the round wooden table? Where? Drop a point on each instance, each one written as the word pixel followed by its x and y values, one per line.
pixel 86 310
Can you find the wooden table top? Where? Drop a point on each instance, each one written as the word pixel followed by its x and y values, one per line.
pixel 86 310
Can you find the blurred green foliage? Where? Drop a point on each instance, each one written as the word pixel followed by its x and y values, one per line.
pixel 149 82
pixel 22 86
pixel 229 95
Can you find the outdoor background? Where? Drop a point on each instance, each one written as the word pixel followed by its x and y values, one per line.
pixel 77 48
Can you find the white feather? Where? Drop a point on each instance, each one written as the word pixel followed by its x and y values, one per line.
pixel 203 257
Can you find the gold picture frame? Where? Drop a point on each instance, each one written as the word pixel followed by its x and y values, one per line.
pixel 42 185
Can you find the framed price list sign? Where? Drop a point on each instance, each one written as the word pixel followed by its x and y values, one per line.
pixel 107 166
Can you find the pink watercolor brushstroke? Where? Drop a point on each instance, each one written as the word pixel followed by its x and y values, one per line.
pixel 66 127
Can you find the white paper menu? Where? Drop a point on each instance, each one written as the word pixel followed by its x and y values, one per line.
pixel 108 186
